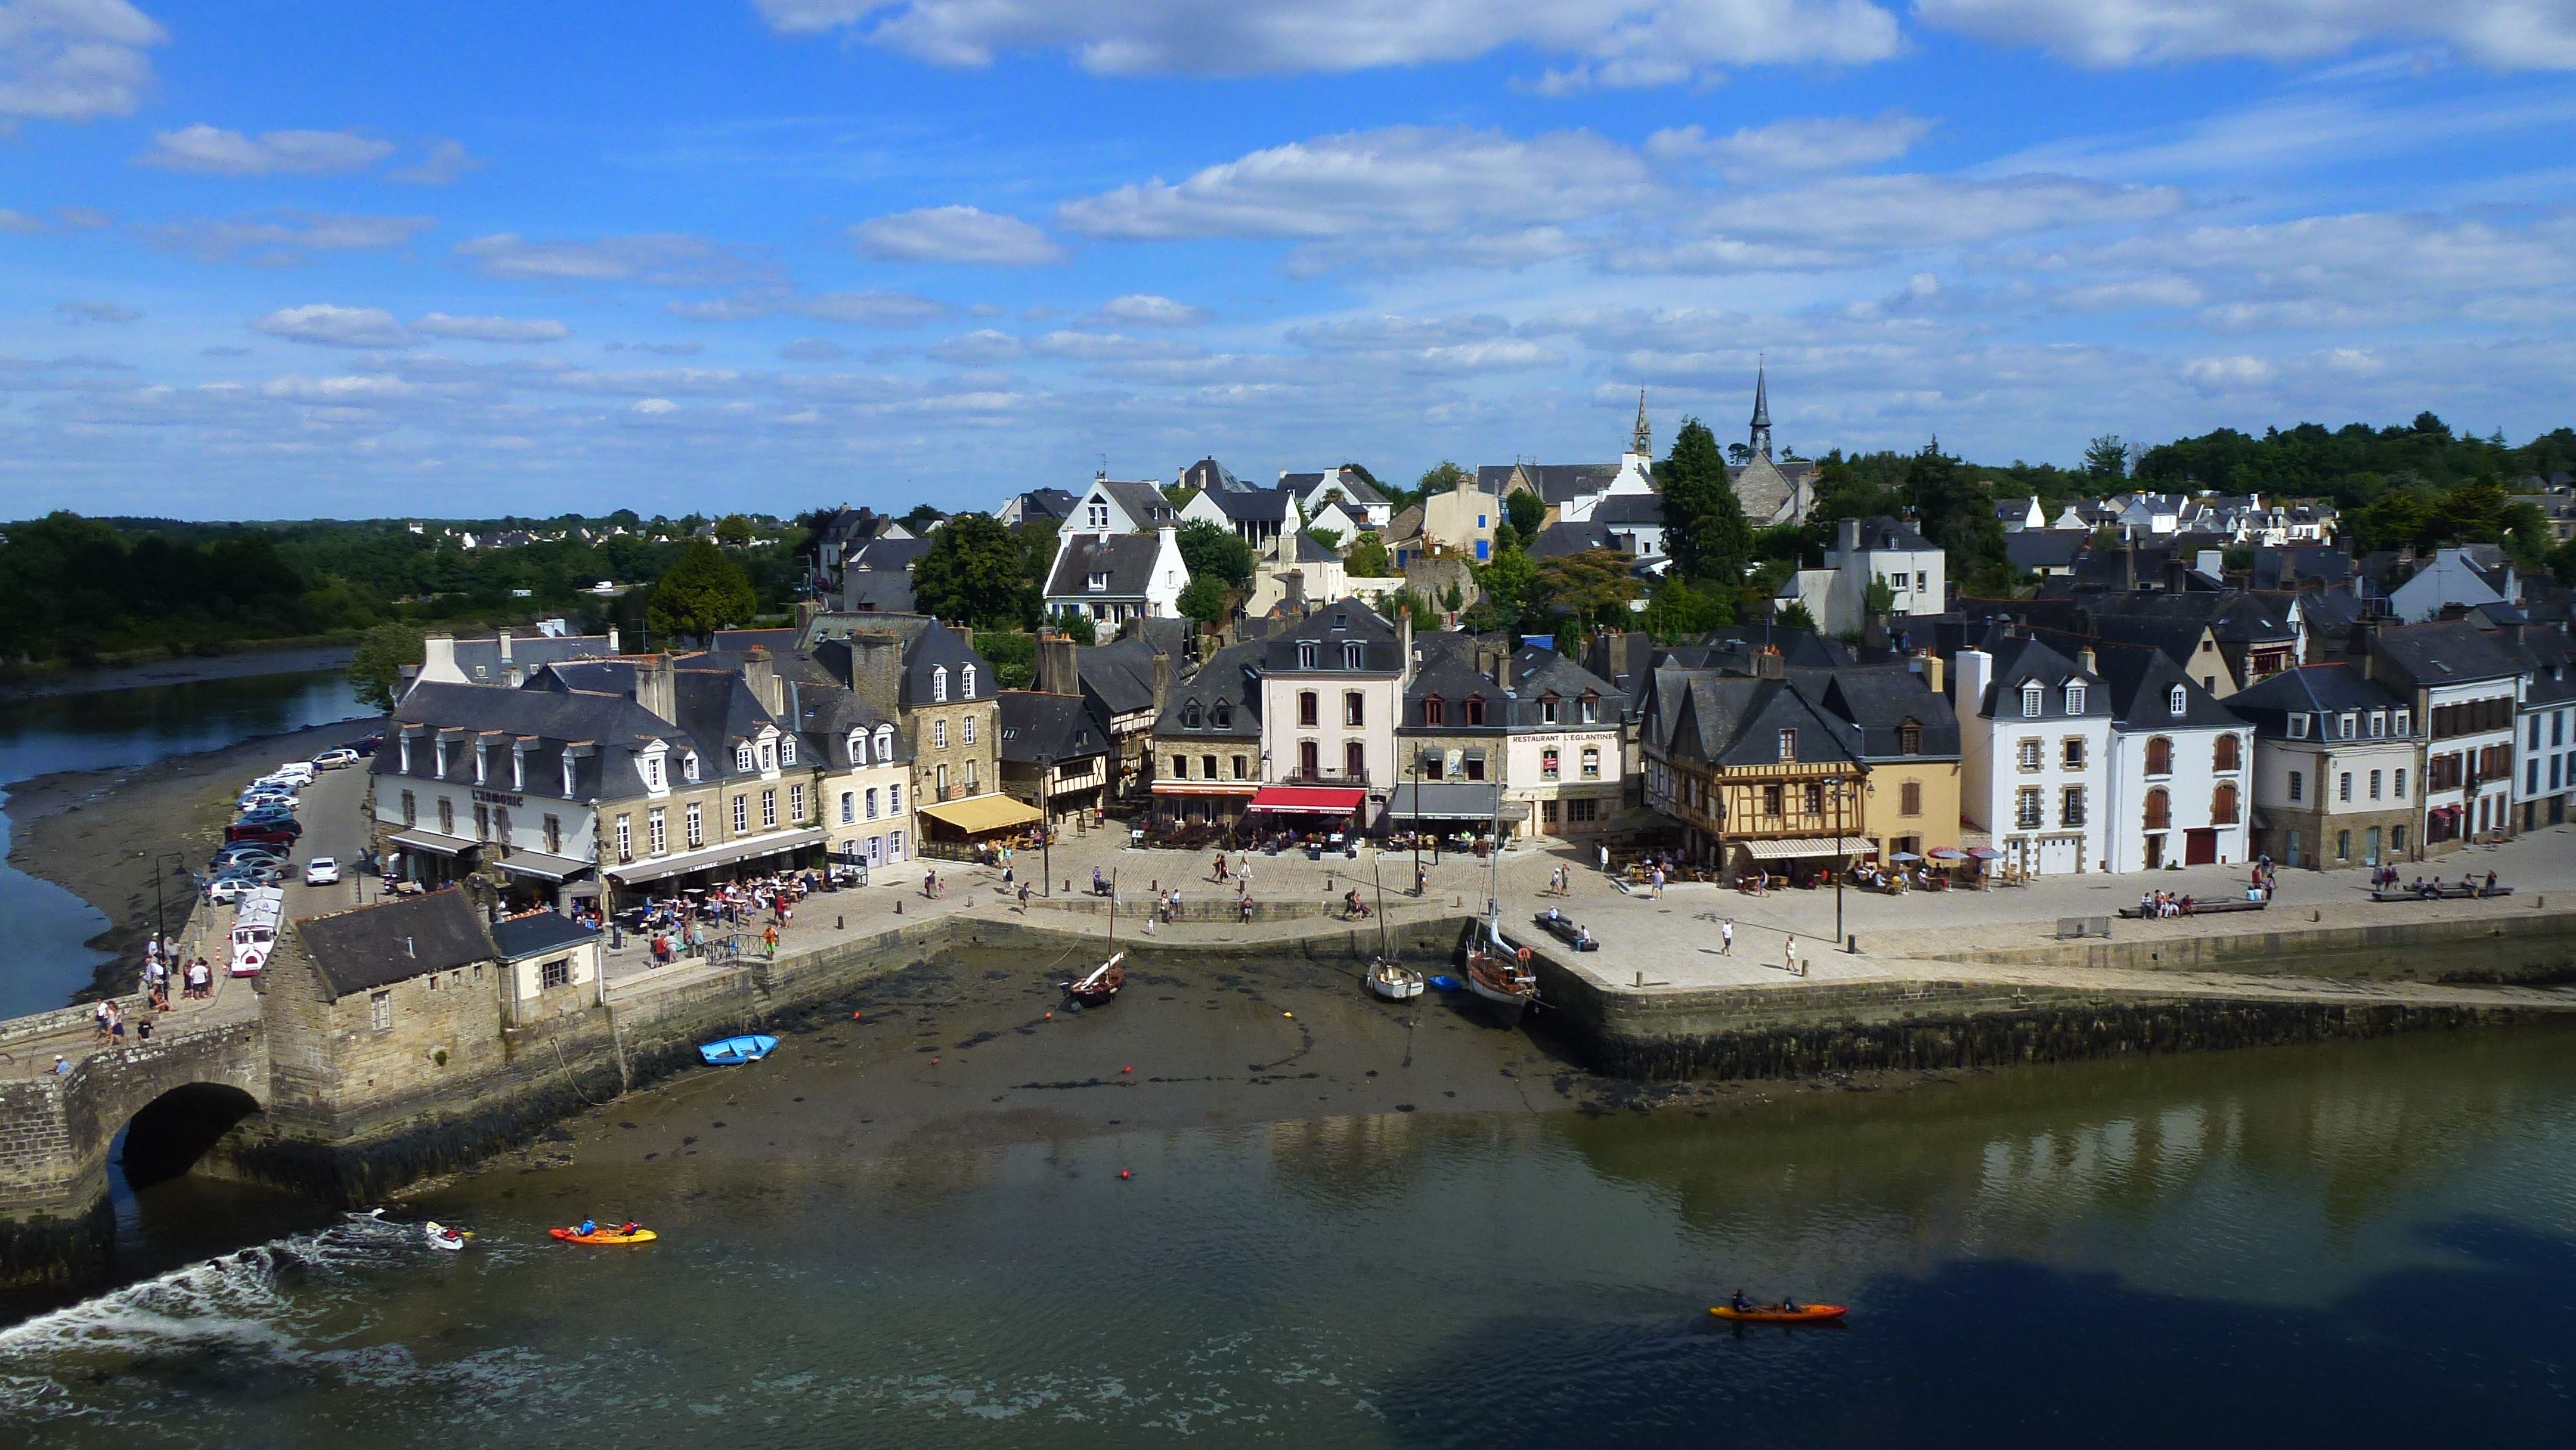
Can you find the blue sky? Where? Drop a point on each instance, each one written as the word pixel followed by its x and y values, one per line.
pixel 276 260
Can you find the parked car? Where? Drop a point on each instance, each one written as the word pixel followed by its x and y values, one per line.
pixel 267 800
pixel 225 890
pixel 368 746
pixel 321 871
pixel 247 853
pixel 295 772
pixel 340 759
pixel 271 832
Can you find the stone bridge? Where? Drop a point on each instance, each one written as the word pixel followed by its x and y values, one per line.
pixel 180 1093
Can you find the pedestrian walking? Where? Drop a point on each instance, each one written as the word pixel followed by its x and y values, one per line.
pixel 1789 955
pixel 769 942
pixel 1726 937
pixel 1421 881
pixel 1605 860
pixel 930 883
pixel 1024 898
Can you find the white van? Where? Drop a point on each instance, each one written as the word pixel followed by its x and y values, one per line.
pixel 294 772
pixel 261 916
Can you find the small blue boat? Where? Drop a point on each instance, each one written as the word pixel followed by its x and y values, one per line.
pixel 1445 983
pixel 735 1051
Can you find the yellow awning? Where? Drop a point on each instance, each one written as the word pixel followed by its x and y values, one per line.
pixel 977 814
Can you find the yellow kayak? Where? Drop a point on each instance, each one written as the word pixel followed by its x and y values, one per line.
pixel 604 1236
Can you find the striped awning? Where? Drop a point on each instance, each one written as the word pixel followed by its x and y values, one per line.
pixel 1801 847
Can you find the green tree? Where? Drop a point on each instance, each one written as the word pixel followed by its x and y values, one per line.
pixel 1507 582
pixel 1679 612
pixel 1440 477
pixel 974 572
pixel 733 529
pixel 922 520
pixel 1329 538
pixel 1878 598
pixel 1795 617
pixel 1702 516
pixel 1368 559
pixel 1528 513
pixel 2106 459
pixel 1955 512
pixel 1075 625
pixel 704 592
pixel 1178 495
pixel 1204 599
pixel 1212 551
pixel 1592 587
pixel 375 671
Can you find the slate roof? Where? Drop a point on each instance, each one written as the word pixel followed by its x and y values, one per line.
pixel 2322 563
pixel 1309 551
pixel 887 554
pixel 2444 653
pixel 1047 503
pixel 376 946
pixel 609 721
pixel 2141 681
pixel 1120 675
pixel 1452 675
pixel 1881 700
pixel 479 660
pixel 1333 625
pixel 1728 720
pixel 2020 660
pixel 1538 671
pixel 2034 551
pixel 1128 560
pixel 1890 534
pixel 2307 690
pixel 537 933
pixel 936 645
pixel 1231 676
pixel 1253 505
pixel 1557 541
pixel 1634 510
pixel 878 591
pixel 1209 476
pixel 1353 487
pixel 1057 727
pixel 1557 483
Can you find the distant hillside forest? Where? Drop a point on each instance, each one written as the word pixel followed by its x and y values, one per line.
pixel 76 590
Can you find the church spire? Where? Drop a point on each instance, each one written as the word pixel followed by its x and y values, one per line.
pixel 1761 438
pixel 1644 443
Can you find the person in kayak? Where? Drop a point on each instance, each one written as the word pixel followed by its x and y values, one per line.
pixel 1788 1305
pixel 1739 1303
pixel 588 1227
pixel 627 1229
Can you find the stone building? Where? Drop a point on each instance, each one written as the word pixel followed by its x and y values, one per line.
pixel 2338 771
pixel 941 694
pixel 2465 689
pixel 1207 740
pixel 1772 492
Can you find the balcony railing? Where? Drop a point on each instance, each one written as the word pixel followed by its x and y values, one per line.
pixel 1326 777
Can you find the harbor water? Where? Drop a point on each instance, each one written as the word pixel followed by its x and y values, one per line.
pixel 2357 1244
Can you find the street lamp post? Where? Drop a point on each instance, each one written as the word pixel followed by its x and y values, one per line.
pixel 1046 827
pixel 1420 888
pixel 1839 869
pixel 160 901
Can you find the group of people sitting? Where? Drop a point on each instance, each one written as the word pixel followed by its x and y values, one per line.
pixel 2154 905
pixel 2432 888
pixel 1555 918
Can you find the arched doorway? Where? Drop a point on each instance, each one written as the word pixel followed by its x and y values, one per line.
pixel 172 1132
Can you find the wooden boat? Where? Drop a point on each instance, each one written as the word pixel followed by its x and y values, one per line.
pixel 1774 1314
pixel 1562 927
pixel 735 1051
pixel 603 1236
pixel 1097 986
pixel 1499 976
pixel 440 1236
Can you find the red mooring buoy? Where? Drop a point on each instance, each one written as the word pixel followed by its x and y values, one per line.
pixel 1122 1172
pixel 1126 1069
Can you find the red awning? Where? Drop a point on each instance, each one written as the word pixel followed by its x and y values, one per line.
pixel 1311 799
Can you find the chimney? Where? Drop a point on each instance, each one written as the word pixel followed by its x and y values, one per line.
pixel 807 610
pixel 1847 540
pixel 1162 681
pixel 1975 668
pixel 2357 644
pixel 876 671
pixel 612 639
pixel 2212 562
pixel 505 646
pixel 1770 664
pixel 1059 668
pixel 2176 574
pixel 2129 564
pixel 2085 661
pixel 1928 665
pixel 965 633
pixel 655 689
pixel 438 659
pixel 1404 649
pixel 761 673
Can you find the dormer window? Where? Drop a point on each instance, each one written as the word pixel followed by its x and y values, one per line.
pixel 939 684
pixel 1547 710
pixel 1434 710
pixel 1909 739
pixel 406 755
pixel 1190 715
pixel 518 769
pixel 858 745
pixel 885 744
pixel 2177 702
pixel 482 763
pixel 2350 724
pixel 567 775
pixel 2299 727
pixel 1788 745
pixel 1099 516
pixel 2074 699
pixel 787 750
pixel 653 772
pixel 2030 697
pixel 1354 655
pixel 1588 709
pixel 2400 723
pixel 438 760
pixel 966 682
pixel 1099 581
pixel 2378 724
pixel 768 756
pixel 1475 710
pixel 742 756
pixel 1306 655
pixel 689 767
pixel 1224 715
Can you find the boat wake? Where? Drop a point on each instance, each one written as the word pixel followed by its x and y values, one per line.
pixel 237 1302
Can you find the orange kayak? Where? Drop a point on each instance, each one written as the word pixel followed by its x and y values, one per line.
pixel 1774 1314
pixel 603 1236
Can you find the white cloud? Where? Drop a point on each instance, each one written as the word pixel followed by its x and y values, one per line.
pixel 218 152
pixel 1144 309
pixel 1612 42
pixel 328 326
pixel 662 259
pixel 283 237
pixel 70 60
pixel 446 161
pixel 1795 147
pixel 655 407
pixel 492 329
pixel 94 310
pixel 812 349
pixel 955 234
pixel 2505 34
pixel 856 309
pixel 2224 374
pixel 1388 194
pixel 985 347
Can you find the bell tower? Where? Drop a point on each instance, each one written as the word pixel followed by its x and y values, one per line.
pixel 1760 441
pixel 1643 444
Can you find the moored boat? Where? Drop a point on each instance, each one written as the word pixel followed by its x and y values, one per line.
pixel 1781 1314
pixel 1393 980
pixel 1499 974
pixel 735 1051
pixel 1101 983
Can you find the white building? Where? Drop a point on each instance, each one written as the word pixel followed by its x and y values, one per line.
pixel 1115 507
pixel 2034 747
pixel 1332 692
pixel 1882 550
pixel 2180 768
pixel 1111 577
pixel 1314 490
pixel 2466 689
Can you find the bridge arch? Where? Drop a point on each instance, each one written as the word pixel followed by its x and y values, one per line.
pixel 168 1135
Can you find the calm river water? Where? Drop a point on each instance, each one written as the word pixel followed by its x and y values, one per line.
pixel 2346 1245
pixel 47 925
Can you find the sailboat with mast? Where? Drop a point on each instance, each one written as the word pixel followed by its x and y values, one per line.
pixel 1497 972
pixel 1386 976
pixel 1098 986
